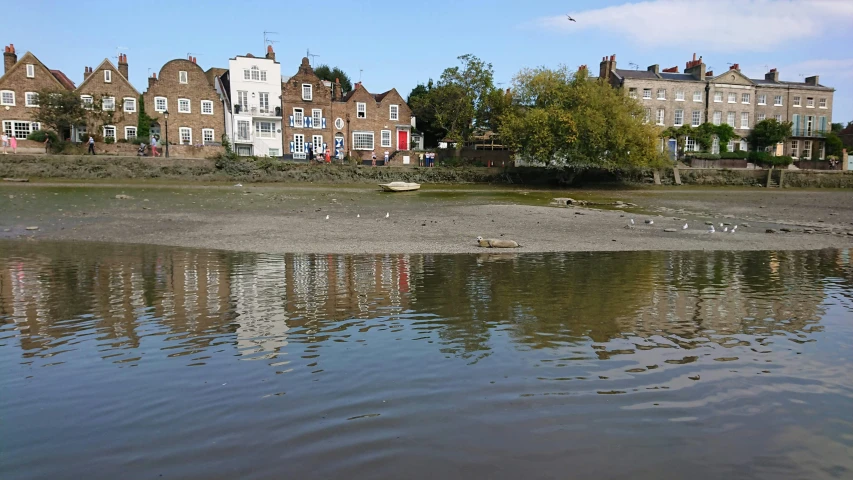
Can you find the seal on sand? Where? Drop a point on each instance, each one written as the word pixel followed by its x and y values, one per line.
pixel 496 243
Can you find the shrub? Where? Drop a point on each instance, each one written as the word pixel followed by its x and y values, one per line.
pixel 137 140
pixel 110 140
pixel 734 155
pixel 121 140
pixel 704 156
pixel 40 135
pixel 766 159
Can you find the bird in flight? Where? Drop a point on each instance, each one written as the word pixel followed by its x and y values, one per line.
pixel 571 19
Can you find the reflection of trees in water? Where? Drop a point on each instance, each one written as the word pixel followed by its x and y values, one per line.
pixel 262 304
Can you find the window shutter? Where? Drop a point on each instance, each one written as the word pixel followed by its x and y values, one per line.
pixel 291 145
pixel 796 122
pixel 822 124
pixel 325 146
pixel 308 121
pixel 323 123
pixel 291 124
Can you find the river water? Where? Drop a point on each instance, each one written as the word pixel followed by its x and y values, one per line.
pixel 143 362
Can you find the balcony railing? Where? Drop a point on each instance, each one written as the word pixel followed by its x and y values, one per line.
pixel 256 111
pixel 808 132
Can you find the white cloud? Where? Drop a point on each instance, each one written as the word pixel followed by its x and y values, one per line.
pixel 722 25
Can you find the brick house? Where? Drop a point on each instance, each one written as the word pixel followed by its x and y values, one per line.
pixel 108 88
pixel 20 82
pixel 696 96
pixel 319 115
pixel 195 109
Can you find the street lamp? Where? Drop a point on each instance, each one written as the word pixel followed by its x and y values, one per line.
pixel 166 116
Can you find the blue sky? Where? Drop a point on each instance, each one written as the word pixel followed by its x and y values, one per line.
pixel 398 44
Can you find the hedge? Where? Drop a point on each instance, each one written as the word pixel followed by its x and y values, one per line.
pixel 765 158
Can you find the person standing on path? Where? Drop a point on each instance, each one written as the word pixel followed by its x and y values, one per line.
pixel 13 142
pixel 4 139
pixel 154 146
pixel 373 157
pixel 91 145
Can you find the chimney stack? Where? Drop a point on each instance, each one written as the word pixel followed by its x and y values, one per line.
pixel 671 69
pixel 772 75
pixel 86 72
pixel 736 66
pixel 337 92
pixel 710 74
pixel 814 80
pixel 192 59
pixel 696 67
pixel 10 58
pixel 152 79
pixel 654 69
pixel 608 65
pixel 122 65
pixel 270 53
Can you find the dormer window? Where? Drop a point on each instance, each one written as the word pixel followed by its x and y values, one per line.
pixel 108 76
pixel 31 70
pixel 307 92
pixel 361 110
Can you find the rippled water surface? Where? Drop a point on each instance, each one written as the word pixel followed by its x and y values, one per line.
pixel 147 362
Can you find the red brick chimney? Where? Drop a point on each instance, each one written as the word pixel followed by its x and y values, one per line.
pixel 152 79
pixel 270 53
pixel 337 91
pixel 695 67
pixel 122 65
pixel 10 58
pixel 671 69
pixel 86 72
pixel 608 65
pixel 736 66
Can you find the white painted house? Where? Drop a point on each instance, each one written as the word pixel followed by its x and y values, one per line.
pixel 252 95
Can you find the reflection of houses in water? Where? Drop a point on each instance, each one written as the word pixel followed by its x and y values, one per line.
pixel 259 296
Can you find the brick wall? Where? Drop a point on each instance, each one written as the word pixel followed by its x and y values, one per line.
pixel 197 88
pixel 377 118
pixel 292 98
pixel 96 86
pixel 17 81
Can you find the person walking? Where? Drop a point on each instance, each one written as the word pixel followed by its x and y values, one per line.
pixel 4 140
pixel 154 146
pixel 310 153
pixel 13 143
pixel 328 156
pixel 373 159
pixel 91 145
pixel 47 144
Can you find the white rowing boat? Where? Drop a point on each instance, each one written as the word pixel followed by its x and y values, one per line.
pixel 400 186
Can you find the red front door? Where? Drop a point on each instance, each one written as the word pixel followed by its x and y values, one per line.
pixel 402 139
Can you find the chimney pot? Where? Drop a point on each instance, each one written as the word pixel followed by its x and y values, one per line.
pixel 613 58
pixel 12 47
pixel 694 56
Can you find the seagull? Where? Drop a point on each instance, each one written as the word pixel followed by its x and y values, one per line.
pixel 327 217
pixel 571 19
pixel 721 225
pixel 650 222
pixel 632 221
pixel 734 228
pixel 238 185
pixel 711 229
pixel 726 230
pixel 358 215
pixel 387 214
pixel 684 227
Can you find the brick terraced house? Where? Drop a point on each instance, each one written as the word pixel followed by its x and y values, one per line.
pixel 195 108
pixel 21 81
pixel 671 98
pixel 108 89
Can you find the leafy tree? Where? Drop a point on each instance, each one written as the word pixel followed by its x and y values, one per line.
pixel 425 117
pixel 680 135
pixel 59 110
pixel 768 133
pixel 330 74
pixel 458 102
pixel 837 127
pixel 725 133
pixel 834 145
pixel 559 117
pixel 143 123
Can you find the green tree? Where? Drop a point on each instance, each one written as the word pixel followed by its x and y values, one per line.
pixel 834 145
pixel 143 122
pixel 458 102
pixel 330 74
pixel 559 117
pixel 680 135
pixel 425 117
pixel 59 110
pixel 768 133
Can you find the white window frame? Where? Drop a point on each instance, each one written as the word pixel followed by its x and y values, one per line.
pixel 248 128
pixel 394 112
pixel 807 147
pixel 31 70
pixel 183 77
pixel 114 130
pixel 165 104
pixel 778 117
pixel 124 104
pixel 744 98
pixel 744 120
pixel 822 103
pixel 28 96
pixel 696 118
pixel 679 95
pixel 777 101
pixel 360 110
pixel 661 94
pixel 3 101
pixel 718 118
pixel 12 128
pixel 382 143
pixel 261 133
pixel 363 143
pixel 797 102
pixel 697 96
pixel 104 103
pixel 795 148
pixel 208 103
pixel 182 102
pixel 690 144
pixel 762 99
pixel 243 99
pixel 204 135
pixel 307 92
pixel 339 123
pixel 274 152
pixel 731 119
pixel 809 102
pixel 317 118
pixel 264 102
pixel 675 120
pixel 743 145
pixel 127 130
pixel 298 144
pixel 88 101
pixel 761 117
pixel 632 92
pixel 660 116
pixel 715 145
pixel 181 131
pixel 647 117
pixel 647 94
pixel 732 97
pixel 298 118
pixel 718 97
pixel 317 140
pixel 108 76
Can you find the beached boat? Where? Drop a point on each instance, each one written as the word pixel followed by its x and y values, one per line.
pixel 400 186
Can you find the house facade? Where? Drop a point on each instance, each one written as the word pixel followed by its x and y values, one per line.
pixel 306 103
pixel 195 110
pixel 380 123
pixel 672 99
pixel 22 79
pixel 251 89
pixel 108 90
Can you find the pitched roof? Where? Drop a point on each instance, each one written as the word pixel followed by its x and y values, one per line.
pixel 113 67
pixel 21 62
pixel 683 77
pixel 645 74
pixel 214 72
pixel 63 79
